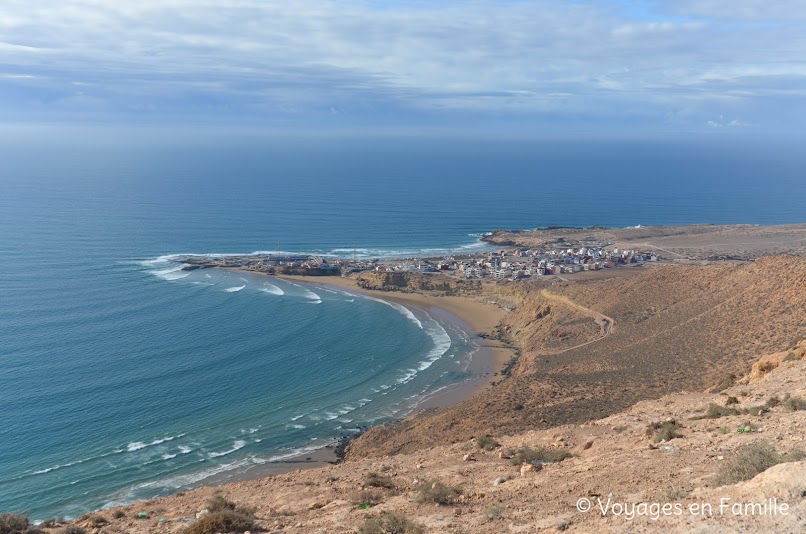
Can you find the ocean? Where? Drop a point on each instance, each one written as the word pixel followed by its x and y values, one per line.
pixel 123 378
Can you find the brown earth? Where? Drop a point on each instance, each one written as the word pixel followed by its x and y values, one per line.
pixel 672 328
pixel 697 242
pixel 614 459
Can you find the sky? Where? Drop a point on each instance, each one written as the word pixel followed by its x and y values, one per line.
pixel 508 65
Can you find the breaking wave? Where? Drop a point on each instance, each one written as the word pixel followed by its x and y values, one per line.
pixel 400 309
pixel 237 445
pixel 272 289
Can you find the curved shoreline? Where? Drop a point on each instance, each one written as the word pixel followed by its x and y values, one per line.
pixel 463 313
pixel 466 314
pixel 485 363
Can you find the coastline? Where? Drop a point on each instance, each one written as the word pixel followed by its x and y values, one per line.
pixel 469 315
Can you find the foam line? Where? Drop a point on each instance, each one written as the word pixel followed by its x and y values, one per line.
pixel 234 289
pixel 240 444
pixel 272 289
pixel 400 309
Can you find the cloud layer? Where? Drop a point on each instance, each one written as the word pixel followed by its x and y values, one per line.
pixel 660 64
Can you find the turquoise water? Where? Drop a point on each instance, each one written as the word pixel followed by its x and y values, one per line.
pixel 122 378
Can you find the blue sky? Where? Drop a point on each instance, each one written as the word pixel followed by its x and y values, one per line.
pixel 542 66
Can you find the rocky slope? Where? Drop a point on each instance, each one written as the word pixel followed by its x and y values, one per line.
pixel 674 328
pixel 418 283
pixel 614 460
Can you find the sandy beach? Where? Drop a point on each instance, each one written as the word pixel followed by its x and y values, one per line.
pixel 470 315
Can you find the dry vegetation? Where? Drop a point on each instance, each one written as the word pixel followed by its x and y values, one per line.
pixel 676 328
pixel 463 488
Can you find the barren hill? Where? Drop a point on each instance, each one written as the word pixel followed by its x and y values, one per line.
pixel 674 328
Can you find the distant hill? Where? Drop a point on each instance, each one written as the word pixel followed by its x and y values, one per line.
pixel 674 243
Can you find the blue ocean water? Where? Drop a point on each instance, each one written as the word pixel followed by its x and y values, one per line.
pixel 122 378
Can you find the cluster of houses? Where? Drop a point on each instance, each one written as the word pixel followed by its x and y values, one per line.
pixel 262 263
pixel 523 263
pixel 500 265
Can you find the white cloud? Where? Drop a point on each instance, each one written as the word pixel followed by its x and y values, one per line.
pixel 590 58
pixel 754 10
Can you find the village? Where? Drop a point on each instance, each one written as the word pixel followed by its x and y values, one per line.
pixel 519 263
pixel 508 264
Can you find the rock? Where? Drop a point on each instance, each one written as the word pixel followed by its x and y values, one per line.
pixel 202 513
pixel 504 455
pixel 587 445
pixel 469 457
pixel 499 480
pixel 335 504
pixel 529 468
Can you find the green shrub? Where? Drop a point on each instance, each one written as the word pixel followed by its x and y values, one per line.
pixel 219 503
pixel 752 459
pixel 487 443
pixel 749 426
pixel 14 523
pixel 224 516
pixel 772 402
pixel 495 512
pixel 755 410
pixel 794 403
pixel 368 498
pixel 222 521
pixel 437 492
pixel 731 401
pixel 97 520
pixel 664 431
pixel 538 455
pixel 675 494
pixel 17 524
pixel 791 357
pixel 390 524
pixel 715 411
pixel 374 480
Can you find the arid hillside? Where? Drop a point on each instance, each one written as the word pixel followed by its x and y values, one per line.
pixel 697 242
pixel 680 464
pixel 594 348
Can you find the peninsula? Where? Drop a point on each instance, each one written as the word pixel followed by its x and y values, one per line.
pixel 642 365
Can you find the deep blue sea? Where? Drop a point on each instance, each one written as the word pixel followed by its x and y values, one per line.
pixel 122 378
